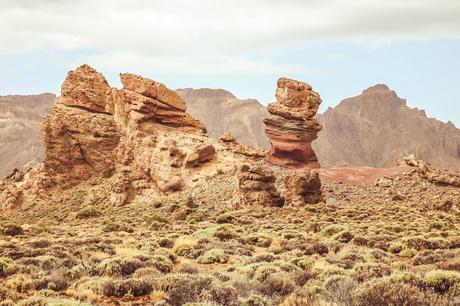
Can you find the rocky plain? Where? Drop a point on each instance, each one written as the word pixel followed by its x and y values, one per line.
pixel 132 203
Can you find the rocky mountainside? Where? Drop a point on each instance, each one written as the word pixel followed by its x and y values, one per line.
pixel 221 111
pixel 377 128
pixel 20 121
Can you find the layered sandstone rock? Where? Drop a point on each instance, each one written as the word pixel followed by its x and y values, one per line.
pixel 256 186
pixel 138 140
pixel 291 126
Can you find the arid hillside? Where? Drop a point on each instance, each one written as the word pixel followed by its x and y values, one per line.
pixel 20 121
pixel 377 128
pixel 222 112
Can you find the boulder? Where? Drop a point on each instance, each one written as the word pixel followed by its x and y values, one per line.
pixel 300 188
pixel 256 186
pixel 200 155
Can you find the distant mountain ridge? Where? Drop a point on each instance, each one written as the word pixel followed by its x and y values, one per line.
pixel 375 128
pixel 20 124
pixel 221 111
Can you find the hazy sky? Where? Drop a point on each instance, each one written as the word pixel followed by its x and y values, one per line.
pixel 340 46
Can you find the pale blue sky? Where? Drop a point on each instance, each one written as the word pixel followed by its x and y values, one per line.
pixel 340 47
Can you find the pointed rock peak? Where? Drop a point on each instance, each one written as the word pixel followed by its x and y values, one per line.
pixel 152 89
pixel 85 87
pixel 377 88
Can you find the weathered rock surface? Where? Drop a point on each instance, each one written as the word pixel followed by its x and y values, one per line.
pixel 256 186
pixel 290 127
pixel 299 187
pixel 139 139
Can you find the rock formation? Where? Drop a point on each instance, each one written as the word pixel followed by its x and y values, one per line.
pixel 291 126
pixel 256 186
pixel 20 120
pixel 436 176
pixel 139 139
pixel 299 187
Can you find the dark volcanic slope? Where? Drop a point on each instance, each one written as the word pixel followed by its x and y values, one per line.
pixel 221 111
pixel 377 128
pixel 20 121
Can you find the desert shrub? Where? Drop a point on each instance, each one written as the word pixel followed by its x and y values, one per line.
pixel 224 295
pixel 441 281
pixel 117 227
pixel 395 247
pixel 278 284
pixel 225 218
pixel 196 217
pixel 332 230
pixel 453 265
pixel 343 236
pixel 162 263
pixel 367 271
pixel 264 271
pixel 7 267
pixel 302 262
pixel 361 241
pixel 430 257
pixel 224 232
pixel 167 253
pixel 185 288
pixel 166 243
pixel 408 252
pixel 11 229
pixel 407 278
pixel 213 256
pixel 255 300
pixel 316 248
pixel 340 289
pixel 384 293
pixel 120 288
pixel 260 240
pixel 118 266
pixel 87 212
pixel 56 281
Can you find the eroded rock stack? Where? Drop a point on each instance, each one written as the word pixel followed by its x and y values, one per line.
pixel 291 126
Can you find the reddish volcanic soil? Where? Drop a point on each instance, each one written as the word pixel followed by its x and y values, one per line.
pixel 362 176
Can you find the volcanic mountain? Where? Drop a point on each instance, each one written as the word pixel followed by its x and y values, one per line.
pixel 377 128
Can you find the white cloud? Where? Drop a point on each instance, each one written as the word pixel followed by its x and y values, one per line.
pixel 227 36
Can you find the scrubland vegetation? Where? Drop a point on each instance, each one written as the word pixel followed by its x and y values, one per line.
pixel 397 245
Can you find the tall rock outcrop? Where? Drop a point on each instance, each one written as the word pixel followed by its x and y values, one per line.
pixel 291 126
pixel 138 139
